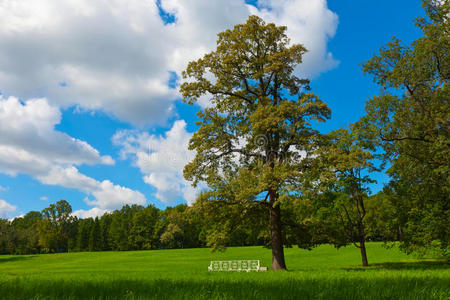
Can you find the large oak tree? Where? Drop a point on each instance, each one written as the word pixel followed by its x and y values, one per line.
pixel 255 138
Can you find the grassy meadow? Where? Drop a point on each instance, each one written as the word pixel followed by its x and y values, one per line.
pixel 323 273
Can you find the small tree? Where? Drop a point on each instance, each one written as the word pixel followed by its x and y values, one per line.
pixel 255 139
pixel 344 167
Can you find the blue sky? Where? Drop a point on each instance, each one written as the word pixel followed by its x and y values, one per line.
pixel 109 128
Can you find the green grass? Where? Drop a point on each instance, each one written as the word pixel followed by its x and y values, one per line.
pixel 323 273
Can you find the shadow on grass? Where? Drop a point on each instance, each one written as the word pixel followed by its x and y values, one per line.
pixel 15 258
pixel 414 265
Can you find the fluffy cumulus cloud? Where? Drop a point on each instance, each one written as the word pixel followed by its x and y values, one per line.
pixel 310 23
pixel 161 159
pixel 106 194
pixel 117 55
pixel 6 208
pixel 29 144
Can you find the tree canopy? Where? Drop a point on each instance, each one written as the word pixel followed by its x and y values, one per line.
pixel 256 137
pixel 411 121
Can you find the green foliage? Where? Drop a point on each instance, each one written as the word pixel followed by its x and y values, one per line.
pixel 24 230
pixel 182 226
pixel 142 233
pixel 121 223
pixel 341 177
pixel 256 137
pixel 380 222
pixel 411 120
pixel 56 227
pixel 231 223
pixel 175 224
pixel 94 236
pixel 84 229
pixel 130 228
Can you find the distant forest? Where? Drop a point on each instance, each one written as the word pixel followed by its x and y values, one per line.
pixel 55 230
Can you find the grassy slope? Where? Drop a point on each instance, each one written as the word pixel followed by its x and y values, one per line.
pixel 322 273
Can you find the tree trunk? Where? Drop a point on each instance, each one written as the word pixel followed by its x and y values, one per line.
pixel 359 203
pixel 362 246
pixel 362 243
pixel 400 234
pixel 278 262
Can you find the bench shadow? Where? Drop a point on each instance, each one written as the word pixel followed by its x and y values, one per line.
pixel 415 265
pixel 16 258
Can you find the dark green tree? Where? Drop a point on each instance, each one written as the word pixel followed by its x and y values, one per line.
pixel 142 234
pixel 56 227
pixel 95 240
pixel 411 119
pixel 105 224
pixel 177 223
pixel 83 231
pixel 7 237
pixel 26 233
pixel 118 232
pixel 343 165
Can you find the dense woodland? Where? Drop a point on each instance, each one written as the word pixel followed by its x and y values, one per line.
pixel 130 228
pixel 135 227
pixel 249 147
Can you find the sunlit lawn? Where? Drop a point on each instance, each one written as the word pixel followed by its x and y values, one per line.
pixel 323 273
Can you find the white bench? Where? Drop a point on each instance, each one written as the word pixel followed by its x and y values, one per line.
pixel 236 265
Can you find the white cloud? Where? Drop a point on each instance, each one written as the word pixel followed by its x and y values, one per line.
pixel 6 208
pixel 111 196
pixel 116 55
pixel 161 159
pixel 19 216
pixel 68 177
pixel 106 55
pixel 29 144
pixel 91 213
pixel 308 22
pixel 107 196
pixel 4 189
pixel 44 198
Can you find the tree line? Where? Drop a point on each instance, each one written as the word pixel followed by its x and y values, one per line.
pixel 55 230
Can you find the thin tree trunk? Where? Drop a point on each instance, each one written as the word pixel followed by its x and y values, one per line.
pixel 359 203
pixel 362 246
pixel 400 234
pixel 278 262
pixel 362 243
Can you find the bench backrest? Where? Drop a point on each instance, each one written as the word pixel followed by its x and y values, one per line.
pixel 234 265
